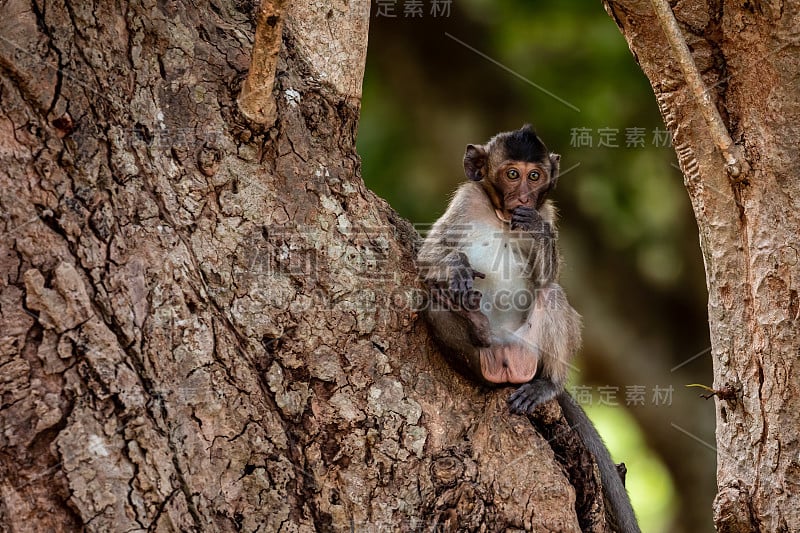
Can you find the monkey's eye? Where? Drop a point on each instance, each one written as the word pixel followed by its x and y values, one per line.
pixel 513 174
pixel 533 175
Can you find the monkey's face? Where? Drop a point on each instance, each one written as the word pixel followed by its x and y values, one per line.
pixel 522 183
pixel 515 169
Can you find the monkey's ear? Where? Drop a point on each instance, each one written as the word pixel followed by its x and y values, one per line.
pixel 555 160
pixel 475 160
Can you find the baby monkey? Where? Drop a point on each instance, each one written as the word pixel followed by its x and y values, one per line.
pixel 491 263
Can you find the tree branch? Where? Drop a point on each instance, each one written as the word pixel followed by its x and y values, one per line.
pixel 256 101
pixel 735 164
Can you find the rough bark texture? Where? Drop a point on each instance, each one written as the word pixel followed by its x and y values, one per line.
pixel 747 53
pixel 205 323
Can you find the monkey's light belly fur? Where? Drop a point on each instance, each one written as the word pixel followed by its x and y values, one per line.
pixel 505 300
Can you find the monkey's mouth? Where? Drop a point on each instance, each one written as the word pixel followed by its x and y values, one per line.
pixel 508 363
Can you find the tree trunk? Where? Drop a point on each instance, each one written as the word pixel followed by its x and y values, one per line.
pixel 746 53
pixel 206 319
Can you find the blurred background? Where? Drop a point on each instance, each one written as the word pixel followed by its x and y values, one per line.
pixel 443 74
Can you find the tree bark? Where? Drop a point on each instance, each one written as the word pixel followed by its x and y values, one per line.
pixel 206 319
pixel 746 53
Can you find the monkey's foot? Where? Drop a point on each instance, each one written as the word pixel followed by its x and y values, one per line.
pixel 527 397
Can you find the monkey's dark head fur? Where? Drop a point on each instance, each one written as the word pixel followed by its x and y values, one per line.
pixel 522 145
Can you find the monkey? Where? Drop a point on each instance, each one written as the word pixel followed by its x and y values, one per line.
pixel 491 264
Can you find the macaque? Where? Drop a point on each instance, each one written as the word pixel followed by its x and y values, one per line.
pixel 491 263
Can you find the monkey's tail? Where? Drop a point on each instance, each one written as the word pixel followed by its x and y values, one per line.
pixel 618 505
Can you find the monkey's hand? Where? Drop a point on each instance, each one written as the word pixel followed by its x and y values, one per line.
pixel 451 296
pixel 463 295
pixel 528 219
pixel 457 294
pixel 453 276
pixel 461 279
pixel 460 275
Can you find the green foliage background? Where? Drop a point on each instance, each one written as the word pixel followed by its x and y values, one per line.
pixel 633 266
